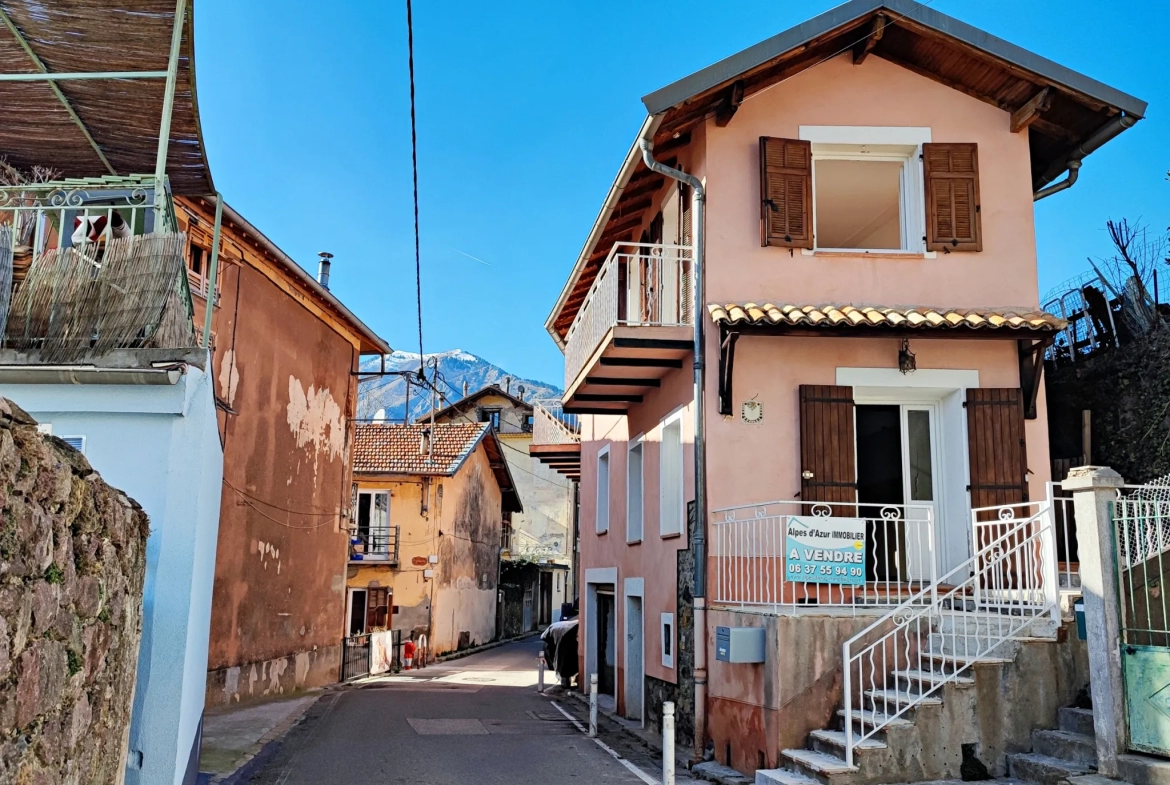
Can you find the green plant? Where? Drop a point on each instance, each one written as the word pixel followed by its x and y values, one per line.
pixel 104 616
pixel 54 574
pixel 75 662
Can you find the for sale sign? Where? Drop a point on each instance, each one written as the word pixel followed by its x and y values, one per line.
pixel 825 550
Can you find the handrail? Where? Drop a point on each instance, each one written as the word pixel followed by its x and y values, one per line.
pixel 1027 541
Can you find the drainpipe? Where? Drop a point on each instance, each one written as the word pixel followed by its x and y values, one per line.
pixel 1073 162
pixel 699 540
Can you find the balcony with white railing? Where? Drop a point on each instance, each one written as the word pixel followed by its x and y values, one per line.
pixel 632 328
pixel 556 441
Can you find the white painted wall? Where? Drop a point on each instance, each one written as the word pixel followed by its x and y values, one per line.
pixel 160 444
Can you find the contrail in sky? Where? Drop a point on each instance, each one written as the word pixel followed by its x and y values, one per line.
pixel 469 256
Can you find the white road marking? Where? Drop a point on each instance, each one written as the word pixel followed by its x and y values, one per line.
pixel 637 772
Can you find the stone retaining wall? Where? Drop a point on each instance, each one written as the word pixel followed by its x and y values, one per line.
pixel 72 561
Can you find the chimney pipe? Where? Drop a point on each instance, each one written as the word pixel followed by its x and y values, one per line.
pixel 508 384
pixel 323 269
pixel 465 389
pixel 424 442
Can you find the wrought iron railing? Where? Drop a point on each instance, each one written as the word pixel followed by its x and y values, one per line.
pixel 1002 592
pixel 378 544
pixel 638 284
pixel 752 569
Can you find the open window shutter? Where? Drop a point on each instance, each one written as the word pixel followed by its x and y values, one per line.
pixel 786 192
pixel 827 444
pixel 952 197
pixel 996 448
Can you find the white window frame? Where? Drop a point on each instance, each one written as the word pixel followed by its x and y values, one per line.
pixel 637 511
pixel 601 512
pixel 877 143
pixel 677 529
pixel 669 641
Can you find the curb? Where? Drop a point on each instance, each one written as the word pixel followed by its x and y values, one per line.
pixel 263 750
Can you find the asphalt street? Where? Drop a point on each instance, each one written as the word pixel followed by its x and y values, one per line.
pixel 474 720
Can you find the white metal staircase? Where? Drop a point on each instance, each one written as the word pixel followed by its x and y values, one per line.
pixel 907 659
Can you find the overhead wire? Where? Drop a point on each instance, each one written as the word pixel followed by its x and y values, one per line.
pixel 414 172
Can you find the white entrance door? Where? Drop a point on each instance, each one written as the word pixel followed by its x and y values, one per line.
pixel 919 459
pixel 635 668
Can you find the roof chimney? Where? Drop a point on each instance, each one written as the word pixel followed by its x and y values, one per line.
pixel 508 384
pixel 424 441
pixel 323 269
pixel 522 391
pixel 465 388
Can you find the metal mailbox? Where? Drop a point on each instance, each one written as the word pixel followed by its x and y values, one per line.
pixel 739 644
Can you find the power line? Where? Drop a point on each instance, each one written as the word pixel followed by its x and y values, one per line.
pixel 414 167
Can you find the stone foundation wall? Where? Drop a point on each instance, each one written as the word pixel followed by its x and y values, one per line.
pixel 273 678
pixel 72 561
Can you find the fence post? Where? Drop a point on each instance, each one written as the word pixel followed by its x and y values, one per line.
pixel 540 673
pixel 592 705
pixel 1094 489
pixel 668 743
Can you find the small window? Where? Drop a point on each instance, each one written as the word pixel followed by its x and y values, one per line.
pixel 371 535
pixel 668 640
pixel 492 416
pixel 196 259
pixel 603 491
pixel 634 496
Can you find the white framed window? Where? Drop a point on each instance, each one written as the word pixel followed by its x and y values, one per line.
pixel 603 490
pixel 370 538
pixel 76 442
pixel 867 188
pixel 671 508
pixel 668 642
pixel 634 492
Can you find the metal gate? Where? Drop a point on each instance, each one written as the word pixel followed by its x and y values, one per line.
pixel 1141 519
pixel 355 657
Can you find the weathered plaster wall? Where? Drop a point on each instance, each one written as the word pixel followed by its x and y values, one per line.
pixel 283 371
pixel 542 529
pixel 72 564
pixel 462 526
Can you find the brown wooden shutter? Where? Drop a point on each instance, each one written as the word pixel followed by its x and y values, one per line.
pixel 785 192
pixel 827 445
pixel 996 448
pixel 952 197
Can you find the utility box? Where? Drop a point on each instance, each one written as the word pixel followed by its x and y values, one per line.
pixel 740 644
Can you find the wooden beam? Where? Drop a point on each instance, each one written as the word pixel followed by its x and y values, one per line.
pixel 730 104
pixel 630 208
pixel 862 49
pixel 685 345
pixel 592 410
pixel 648 186
pixel 1030 112
pixel 640 362
pixel 606 398
pixel 617 381
pixel 1054 130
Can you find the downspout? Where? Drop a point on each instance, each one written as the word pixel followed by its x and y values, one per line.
pixel 699 539
pixel 1072 162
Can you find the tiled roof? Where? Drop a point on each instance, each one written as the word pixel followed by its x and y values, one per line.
pixel 381 448
pixel 924 318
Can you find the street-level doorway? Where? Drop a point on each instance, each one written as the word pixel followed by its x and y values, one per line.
pixel 634 655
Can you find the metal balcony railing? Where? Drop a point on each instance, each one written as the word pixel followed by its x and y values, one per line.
pixel 375 544
pixel 548 428
pixel 638 284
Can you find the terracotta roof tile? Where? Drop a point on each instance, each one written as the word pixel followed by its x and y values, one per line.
pixel 381 448
pixel 923 318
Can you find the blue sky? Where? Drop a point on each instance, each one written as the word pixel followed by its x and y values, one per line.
pixel 524 112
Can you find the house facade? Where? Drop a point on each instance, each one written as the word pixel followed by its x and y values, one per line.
pixel 285 356
pixel 431 504
pixel 829 238
pixel 538 542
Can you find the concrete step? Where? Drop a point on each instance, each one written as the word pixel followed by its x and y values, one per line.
pixel 875 717
pixel 832 742
pixel 1074 747
pixel 997 624
pixel 1042 769
pixel 923 680
pixel 890 701
pixel 818 765
pixel 782 777
pixel 949 663
pixel 1143 770
pixel 1075 720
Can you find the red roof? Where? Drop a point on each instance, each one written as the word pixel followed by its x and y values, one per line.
pixel 383 448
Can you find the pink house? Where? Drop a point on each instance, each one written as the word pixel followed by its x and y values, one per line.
pixel 856 516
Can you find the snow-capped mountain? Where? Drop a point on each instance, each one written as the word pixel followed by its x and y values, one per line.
pixel 455 367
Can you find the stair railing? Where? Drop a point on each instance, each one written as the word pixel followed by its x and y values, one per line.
pixel 1008 584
